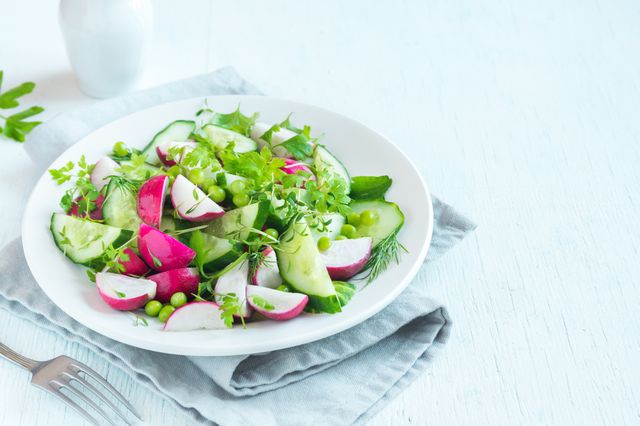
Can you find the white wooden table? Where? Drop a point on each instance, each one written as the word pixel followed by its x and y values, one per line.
pixel 522 114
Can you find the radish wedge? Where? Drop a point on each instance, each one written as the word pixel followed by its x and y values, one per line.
pixel 234 279
pixel 274 304
pixel 165 156
pixel 102 171
pixel 345 258
pixel 195 316
pixel 124 293
pixel 161 251
pixel 259 129
pixel 191 203
pixel 95 214
pixel 133 266
pixel 151 200
pixel 267 273
pixel 185 280
pixel 292 167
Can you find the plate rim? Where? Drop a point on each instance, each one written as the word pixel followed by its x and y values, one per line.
pixel 257 347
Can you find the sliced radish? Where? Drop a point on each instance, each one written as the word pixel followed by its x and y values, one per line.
pixel 151 200
pixel 95 214
pixel 133 266
pixel 162 252
pixel 104 168
pixel 294 166
pixel 195 316
pixel 124 293
pixel 163 151
pixel 235 281
pixel 191 203
pixel 267 273
pixel 169 282
pixel 345 258
pixel 274 304
pixel 277 138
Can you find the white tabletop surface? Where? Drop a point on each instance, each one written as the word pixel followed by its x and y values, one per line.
pixel 523 114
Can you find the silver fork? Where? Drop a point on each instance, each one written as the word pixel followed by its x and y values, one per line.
pixel 59 372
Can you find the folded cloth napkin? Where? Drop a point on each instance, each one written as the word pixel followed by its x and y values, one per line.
pixel 342 379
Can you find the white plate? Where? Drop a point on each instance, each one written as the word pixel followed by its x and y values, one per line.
pixel 363 151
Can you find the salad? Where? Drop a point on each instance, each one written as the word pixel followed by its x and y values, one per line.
pixel 221 217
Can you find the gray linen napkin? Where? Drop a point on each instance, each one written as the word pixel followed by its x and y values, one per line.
pixel 342 379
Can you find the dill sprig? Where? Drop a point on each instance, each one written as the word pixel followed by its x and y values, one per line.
pixel 385 252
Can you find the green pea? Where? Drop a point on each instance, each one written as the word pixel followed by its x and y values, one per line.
pixel 241 200
pixel 152 308
pixel 369 217
pixel 353 219
pixel 341 237
pixel 196 176
pixel 121 149
pixel 173 171
pixel 165 312
pixel 216 193
pixel 237 187
pixel 272 232
pixel 178 299
pixel 283 287
pixel 324 243
pixel 348 231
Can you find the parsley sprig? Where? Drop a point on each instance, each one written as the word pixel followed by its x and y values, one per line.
pixel 82 189
pixel 16 126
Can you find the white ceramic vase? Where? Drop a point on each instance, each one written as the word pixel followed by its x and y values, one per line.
pixel 106 41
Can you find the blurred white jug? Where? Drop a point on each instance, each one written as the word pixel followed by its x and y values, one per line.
pixel 106 42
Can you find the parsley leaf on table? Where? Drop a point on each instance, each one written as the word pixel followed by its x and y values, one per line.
pixel 15 126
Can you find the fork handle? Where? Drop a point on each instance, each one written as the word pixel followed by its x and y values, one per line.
pixel 14 356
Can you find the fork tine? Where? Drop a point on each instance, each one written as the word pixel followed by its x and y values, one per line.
pixel 86 399
pixel 97 393
pixel 55 389
pixel 80 367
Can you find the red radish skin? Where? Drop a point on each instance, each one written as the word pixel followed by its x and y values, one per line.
pixel 345 258
pixel 195 316
pixel 162 151
pixel 199 208
pixel 135 265
pixel 151 200
pixel 104 168
pixel 185 280
pixel 95 214
pixel 294 166
pixel 285 305
pixel 168 252
pixel 124 293
pixel 268 274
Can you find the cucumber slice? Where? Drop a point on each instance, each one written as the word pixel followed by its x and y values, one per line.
pixel 142 173
pixel 390 219
pixel 230 225
pixel 331 230
pixel 221 137
pixel 120 206
pixel 177 131
pixel 214 253
pixel 84 241
pixel 324 160
pixel 302 268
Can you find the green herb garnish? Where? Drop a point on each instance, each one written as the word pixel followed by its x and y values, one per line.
pixel 15 126
pixel 262 303
pixel 385 252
